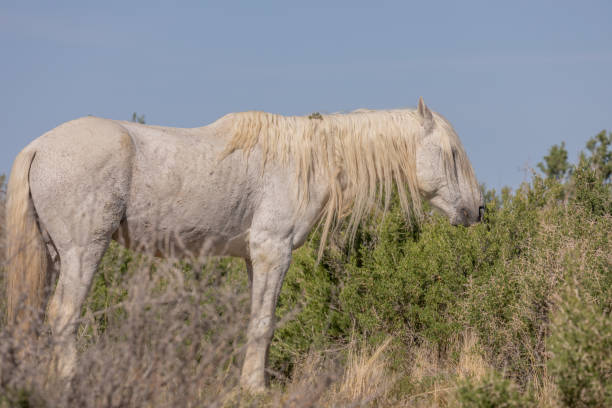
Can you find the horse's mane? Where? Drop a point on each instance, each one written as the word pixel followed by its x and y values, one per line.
pixel 373 149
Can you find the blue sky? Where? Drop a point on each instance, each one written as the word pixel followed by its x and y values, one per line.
pixel 513 77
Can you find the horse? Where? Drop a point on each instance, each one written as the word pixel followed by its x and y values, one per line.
pixel 250 185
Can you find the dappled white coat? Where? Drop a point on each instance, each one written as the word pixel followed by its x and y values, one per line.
pixel 250 185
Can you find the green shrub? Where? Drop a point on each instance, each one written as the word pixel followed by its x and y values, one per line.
pixel 427 283
pixel 493 391
pixel 430 283
pixel 591 192
pixel 308 312
pixel 581 346
pixel 20 398
pixel 108 288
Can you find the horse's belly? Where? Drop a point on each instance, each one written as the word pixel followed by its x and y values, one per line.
pixel 197 218
pixel 202 223
pixel 194 240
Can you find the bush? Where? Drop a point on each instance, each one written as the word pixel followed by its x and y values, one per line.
pixel 423 284
pixel 591 192
pixel 429 284
pixel 581 345
pixel 493 392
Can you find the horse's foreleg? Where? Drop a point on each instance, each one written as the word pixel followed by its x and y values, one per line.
pixel 270 261
pixel 78 266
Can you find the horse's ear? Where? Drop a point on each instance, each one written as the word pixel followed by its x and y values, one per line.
pixel 425 115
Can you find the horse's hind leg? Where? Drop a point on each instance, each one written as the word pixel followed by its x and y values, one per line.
pixel 80 228
pixel 78 265
pixel 80 249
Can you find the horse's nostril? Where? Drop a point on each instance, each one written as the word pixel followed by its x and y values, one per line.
pixel 481 211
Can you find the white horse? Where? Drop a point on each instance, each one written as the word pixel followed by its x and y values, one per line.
pixel 250 185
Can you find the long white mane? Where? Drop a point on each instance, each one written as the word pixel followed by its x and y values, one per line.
pixel 363 154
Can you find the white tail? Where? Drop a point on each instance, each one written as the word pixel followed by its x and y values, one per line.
pixel 26 267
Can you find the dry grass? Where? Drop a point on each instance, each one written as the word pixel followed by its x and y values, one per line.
pixel 178 341
pixel 436 378
pixel 366 375
pixel 172 347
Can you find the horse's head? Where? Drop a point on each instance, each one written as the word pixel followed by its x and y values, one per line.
pixel 445 176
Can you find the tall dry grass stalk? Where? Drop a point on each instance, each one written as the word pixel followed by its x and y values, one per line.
pixel 370 378
pixel 435 379
pixel 321 380
pixel 471 362
pixel 366 376
pixel 547 393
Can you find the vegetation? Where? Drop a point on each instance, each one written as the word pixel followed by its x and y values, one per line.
pixel 513 312
pixel 555 164
pixel 138 118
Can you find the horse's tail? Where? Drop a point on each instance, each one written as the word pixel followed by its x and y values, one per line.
pixel 26 253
